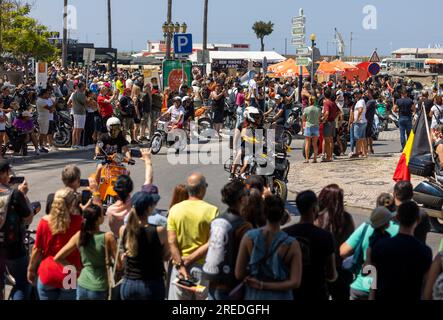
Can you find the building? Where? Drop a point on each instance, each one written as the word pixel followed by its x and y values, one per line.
pixel 418 53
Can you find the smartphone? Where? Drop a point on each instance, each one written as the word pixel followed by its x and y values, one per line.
pixel 135 153
pixel 84 183
pixel 187 283
pixel 16 180
pixel 86 196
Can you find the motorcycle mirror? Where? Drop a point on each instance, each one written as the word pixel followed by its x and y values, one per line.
pixel 135 153
pixel 101 144
pixel 36 207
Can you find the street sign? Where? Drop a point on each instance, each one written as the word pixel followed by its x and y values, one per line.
pixel 298 31
pixel 88 56
pixel 374 57
pixel 173 73
pixel 374 68
pixel 303 51
pixel 299 19
pixel 303 61
pixel 41 76
pixel 299 42
pixel 183 43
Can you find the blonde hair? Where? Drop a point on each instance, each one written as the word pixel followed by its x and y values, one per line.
pixel 131 231
pixel 312 100
pixel 60 215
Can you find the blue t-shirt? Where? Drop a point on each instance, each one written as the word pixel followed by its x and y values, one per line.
pixel 362 283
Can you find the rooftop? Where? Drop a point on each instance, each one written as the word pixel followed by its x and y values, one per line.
pixel 418 51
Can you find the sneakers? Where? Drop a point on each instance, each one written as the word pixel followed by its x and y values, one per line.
pixel 75 147
pixel 43 150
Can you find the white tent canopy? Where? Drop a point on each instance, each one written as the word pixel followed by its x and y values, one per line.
pixel 272 56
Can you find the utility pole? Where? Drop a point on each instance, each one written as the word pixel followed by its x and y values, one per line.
pixel 65 35
pixel 1 34
pixel 350 45
pixel 168 37
pixel 286 46
pixel 109 25
pixel 205 30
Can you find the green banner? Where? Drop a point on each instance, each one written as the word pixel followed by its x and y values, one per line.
pixel 172 73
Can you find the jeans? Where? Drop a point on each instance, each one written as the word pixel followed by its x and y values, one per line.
pixel 50 293
pixel 85 294
pixel 352 138
pixel 405 125
pixel 359 295
pixel 142 290
pixel 18 270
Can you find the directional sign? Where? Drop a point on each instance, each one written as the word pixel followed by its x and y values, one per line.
pixel 183 43
pixel 303 61
pixel 88 56
pixel 299 19
pixel 299 41
pixel 296 31
pixel 303 51
pixel 374 57
pixel 374 68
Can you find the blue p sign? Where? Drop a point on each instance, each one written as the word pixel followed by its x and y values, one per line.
pixel 183 43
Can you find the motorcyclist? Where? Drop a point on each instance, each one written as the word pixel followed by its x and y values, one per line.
pixel 177 113
pixel 111 143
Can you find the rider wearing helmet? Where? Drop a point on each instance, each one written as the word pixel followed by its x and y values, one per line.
pixel 177 113
pixel 111 142
pixel 188 105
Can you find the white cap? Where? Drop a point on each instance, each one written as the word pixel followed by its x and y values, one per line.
pixel 277 97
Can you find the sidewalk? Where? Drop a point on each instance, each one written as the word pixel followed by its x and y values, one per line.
pixel 361 179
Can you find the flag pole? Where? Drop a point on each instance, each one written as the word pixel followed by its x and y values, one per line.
pixel 428 132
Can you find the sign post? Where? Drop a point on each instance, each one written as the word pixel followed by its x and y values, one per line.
pixel 41 74
pixel 299 40
pixel 88 57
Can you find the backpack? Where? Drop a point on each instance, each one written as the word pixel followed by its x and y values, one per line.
pixel 222 252
pixel 5 200
pixel 355 262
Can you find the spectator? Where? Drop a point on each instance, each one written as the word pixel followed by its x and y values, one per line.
pixel 53 232
pixel 15 213
pixel 79 105
pixel 403 192
pixel 386 200
pixel 145 248
pixel 104 106
pixel 360 123
pixel 434 282
pixel 311 117
pixel 44 108
pixel 128 114
pixel 122 207
pixel 317 246
pixel 405 108
pixel 226 233
pixel 95 248
pixel 25 126
pixel 3 119
pixel 179 194
pixel 188 235
pixel 371 107
pixel 330 112
pixel 253 210
pixel 157 103
pixel 146 105
pixel 334 218
pixel 402 261
pixel 269 260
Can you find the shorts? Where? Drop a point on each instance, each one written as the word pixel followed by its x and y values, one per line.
pixel 329 129
pixel 51 127
pixel 369 130
pixel 359 131
pixel 43 125
pixel 145 119
pixel 313 131
pixel 128 123
pixel 79 121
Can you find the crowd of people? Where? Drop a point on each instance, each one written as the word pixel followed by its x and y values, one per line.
pixel 196 252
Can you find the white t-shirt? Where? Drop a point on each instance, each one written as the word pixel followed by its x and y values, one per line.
pixel 361 104
pixel 2 121
pixel 50 104
pixel 437 115
pixel 252 87
pixel 176 113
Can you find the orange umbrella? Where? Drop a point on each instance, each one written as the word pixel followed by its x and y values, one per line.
pixel 327 68
pixel 343 65
pixel 287 68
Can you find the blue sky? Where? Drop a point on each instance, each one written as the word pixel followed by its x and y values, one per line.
pixel 399 23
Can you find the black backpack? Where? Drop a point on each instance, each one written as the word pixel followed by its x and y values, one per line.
pixel 220 261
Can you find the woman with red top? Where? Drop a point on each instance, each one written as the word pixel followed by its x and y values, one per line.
pixel 53 233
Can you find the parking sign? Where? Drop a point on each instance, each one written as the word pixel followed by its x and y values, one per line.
pixel 183 43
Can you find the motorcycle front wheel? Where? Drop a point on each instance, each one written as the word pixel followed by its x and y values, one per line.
pixel 287 138
pixel 280 189
pixel 204 130
pixel 62 138
pixel 156 144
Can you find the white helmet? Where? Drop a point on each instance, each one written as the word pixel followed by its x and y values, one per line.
pixel 186 98
pixel 113 122
pixel 252 114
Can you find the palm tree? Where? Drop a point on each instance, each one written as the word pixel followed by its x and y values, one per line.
pixel 109 25
pixel 261 30
pixel 205 26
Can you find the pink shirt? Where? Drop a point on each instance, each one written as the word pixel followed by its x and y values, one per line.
pixel 117 213
pixel 240 99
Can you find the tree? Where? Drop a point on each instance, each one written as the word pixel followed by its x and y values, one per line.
pixel 261 30
pixel 25 38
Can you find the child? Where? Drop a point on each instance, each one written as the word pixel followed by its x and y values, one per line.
pixel 380 221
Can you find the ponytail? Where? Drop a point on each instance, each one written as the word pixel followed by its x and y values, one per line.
pixel 131 232
pixel 91 216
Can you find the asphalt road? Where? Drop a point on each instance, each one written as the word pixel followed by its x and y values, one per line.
pixel 44 174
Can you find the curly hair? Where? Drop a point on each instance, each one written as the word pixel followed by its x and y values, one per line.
pixel 60 215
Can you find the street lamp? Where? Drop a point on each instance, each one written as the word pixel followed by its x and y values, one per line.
pixel 171 28
pixel 313 37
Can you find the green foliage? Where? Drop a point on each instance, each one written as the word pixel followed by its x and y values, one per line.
pixel 261 30
pixel 22 36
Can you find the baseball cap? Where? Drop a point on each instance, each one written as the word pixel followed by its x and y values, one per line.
pixel 277 97
pixel 4 165
pixel 141 201
pixel 380 216
pixel 152 190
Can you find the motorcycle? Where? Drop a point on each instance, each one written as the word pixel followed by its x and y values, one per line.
pixel 375 128
pixel 160 137
pixel 230 116
pixel 292 125
pixel 429 193
pixel 113 167
pixel 276 180
pixel 204 123
pixel 382 114
pixel 394 118
pixel 63 129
